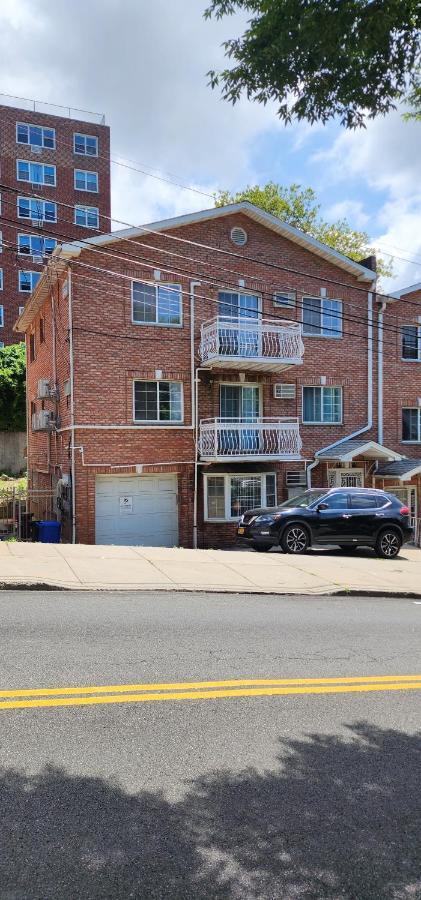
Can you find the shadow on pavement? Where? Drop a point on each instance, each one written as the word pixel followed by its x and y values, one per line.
pixel 339 818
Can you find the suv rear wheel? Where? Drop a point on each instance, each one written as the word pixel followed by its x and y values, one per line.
pixel 295 539
pixel 388 543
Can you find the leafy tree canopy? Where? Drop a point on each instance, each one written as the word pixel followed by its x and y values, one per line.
pixel 12 388
pixel 317 59
pixel 299 207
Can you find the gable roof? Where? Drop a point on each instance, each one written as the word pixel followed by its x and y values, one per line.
pixel 402 469
pixel 346 451
pixel 407 290
pixel 362 273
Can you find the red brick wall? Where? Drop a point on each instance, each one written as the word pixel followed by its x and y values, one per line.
pixel 402 378
pixel 65 161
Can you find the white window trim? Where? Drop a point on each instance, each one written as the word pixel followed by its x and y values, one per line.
pixel 31 162
pixel 30 272
pixel 418 410
pixel 86 209
pixel 330 335
pixel 86 190
pixel 43 128
pixel 243 292
pixel 23 234
pixel 322 387
pixel 87 155
pixel 157 285
pixel 243 384
pixel 404 358
pixel 159 422
pixel 227 491
pixel 1 316
pixel 30 217
pixel 1 280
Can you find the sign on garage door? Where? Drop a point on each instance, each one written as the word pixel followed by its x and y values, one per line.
pixel 136 510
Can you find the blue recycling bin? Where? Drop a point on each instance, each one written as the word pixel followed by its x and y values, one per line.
pixel 49 532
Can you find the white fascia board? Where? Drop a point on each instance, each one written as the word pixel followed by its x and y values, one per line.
pixel 408 290
pixel 248 209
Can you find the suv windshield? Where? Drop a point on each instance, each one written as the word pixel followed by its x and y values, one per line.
pixel 304 499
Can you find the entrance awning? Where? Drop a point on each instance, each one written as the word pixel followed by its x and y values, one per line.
pixel 349 449
pixel 402 470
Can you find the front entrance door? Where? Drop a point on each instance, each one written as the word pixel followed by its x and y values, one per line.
pixel 239 404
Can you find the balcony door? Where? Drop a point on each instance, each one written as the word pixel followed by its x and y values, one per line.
pixel 239 315
pixel 239 405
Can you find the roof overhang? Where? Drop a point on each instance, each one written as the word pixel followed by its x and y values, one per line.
pixel 396 295
pixel 55 266
pixel 361 273
pixel 370 450
pixel 401 476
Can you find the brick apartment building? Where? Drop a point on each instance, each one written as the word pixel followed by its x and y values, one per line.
pixel 63 161
pixel 182 373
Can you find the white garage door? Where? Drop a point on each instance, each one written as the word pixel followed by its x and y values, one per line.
pixel 138 509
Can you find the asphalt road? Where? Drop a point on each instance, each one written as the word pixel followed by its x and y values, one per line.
pixel 310 791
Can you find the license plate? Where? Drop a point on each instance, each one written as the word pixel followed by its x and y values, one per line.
pixel 241 530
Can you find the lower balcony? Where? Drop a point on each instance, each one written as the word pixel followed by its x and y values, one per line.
pixel 241 440
pixel 252 344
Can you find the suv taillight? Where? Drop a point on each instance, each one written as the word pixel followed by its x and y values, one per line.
pixel 404 510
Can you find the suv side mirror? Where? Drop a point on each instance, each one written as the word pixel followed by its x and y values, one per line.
pixel 322 506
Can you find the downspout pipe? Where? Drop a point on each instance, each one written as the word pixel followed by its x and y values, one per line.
pixel 72 404
pixel 380 372
pixel 350 437
pixel 194 405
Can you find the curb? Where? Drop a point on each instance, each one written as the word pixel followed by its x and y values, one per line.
pixel 341 592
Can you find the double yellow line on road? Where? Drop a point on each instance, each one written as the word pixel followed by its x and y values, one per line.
pixel 203 690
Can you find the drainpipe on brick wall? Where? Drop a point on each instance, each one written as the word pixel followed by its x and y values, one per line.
pixel 380 373
pixel 194 399
pixel 350 437
pixel 196 453
pixel 72 406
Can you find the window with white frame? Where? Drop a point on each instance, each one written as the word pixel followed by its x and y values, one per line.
pixel 227 497
pixel 1 279
pixel 86 181
pixel 156 304
pixel 1 316
pixel 37 210
pixel 411 342
pixel 35 245
pixel 28 281
pixel 36 173
pixel 322 317
pixel 85 144
pixel 322 405
pixel 36 136
pixel 1 242
pixel 87 216
pixel 156 402
pixel 411 424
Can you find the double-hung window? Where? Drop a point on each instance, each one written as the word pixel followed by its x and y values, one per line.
pixel 28 281
pixel 36 173
pixel 156 402
pixel 85 145
pixel 156 304
pixel 38 210
pixel 36 136
pixel 227 497
pixel 322 317
pixel 35 245
pixel 87 216
pixel 411 342
pixel 86 181
pixel 1 279
pixel 411 424
pixel 322 405
pixel 1 316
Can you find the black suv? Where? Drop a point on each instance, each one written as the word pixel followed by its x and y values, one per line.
pixel 349 517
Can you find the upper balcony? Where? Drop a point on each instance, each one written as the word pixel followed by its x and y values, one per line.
pixel 276 439
pixel 252 344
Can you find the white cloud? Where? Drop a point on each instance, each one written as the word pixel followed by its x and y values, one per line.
pixel 352 210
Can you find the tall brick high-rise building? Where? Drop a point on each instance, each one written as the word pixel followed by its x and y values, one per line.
pixel 55 186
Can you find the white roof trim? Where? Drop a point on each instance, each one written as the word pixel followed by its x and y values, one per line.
pixel 246 208
pixel 408 290
pixel 383 453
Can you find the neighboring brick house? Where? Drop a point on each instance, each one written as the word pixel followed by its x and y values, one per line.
pixel 63 161
pixel 185 371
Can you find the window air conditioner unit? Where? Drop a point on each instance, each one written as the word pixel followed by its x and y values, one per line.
pixel 67 388
pixel 296 479
pixel 284 391
pixel 36 258
pixel 43 420
pixel 35 148
pixel 37 223
pixel 284 298
pixel 43 388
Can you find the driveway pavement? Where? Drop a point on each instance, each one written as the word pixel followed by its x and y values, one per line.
pixel 89 567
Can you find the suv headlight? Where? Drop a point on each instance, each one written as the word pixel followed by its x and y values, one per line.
pixel 264 520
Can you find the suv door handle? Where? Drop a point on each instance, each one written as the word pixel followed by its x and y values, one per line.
pixel 379 515
pixel 346 516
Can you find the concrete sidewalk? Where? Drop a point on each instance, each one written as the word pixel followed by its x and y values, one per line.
pixel 83 566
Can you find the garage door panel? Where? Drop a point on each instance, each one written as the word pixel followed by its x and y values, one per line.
pixel 137 510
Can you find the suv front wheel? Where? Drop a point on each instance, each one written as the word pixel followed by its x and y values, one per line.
pixel 388 544
pixel 295 539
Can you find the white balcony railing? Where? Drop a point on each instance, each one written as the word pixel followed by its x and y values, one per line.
pixel 258 439
pixel 254 343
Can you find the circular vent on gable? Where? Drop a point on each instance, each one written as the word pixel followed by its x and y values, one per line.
pixel 238 236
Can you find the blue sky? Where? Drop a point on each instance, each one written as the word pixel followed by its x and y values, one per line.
pixel 144 65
